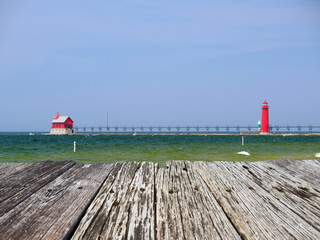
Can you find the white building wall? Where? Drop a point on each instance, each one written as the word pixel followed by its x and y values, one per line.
pixel 62 131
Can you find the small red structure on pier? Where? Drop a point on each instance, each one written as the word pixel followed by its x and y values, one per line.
pixel 265 118
pixel 62 125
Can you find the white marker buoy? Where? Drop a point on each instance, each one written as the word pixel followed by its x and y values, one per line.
pixel 242 141
pixel 74 146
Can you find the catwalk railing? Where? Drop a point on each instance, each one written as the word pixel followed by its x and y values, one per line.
pixel 199 129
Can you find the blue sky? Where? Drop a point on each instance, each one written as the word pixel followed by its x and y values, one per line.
pixel 158 62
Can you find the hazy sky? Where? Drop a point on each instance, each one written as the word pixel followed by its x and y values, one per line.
pixel 158 62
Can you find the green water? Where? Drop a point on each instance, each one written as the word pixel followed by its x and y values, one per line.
pixel 110 149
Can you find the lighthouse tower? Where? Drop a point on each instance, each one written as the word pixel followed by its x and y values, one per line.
pixel 265 118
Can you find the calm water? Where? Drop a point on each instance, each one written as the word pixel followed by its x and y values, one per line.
pixel 110 149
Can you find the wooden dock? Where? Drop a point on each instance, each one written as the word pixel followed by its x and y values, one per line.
pixel 185 200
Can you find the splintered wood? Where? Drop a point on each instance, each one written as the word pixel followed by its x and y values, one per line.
pixel 185 200
pixel 186 208
pixel 263 204
pixel 123 209
pixel 203 200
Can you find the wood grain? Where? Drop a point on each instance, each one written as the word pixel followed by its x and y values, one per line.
pixel 185 200
pixel 255 212
pixel 21 184
pixel 294 192
pixel 186 208
pixel 55 210
pixel 7 169
pixel 307 170
pixel 123 209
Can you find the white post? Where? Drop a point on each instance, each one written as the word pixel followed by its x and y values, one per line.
pixel 74 146
pixel 242 141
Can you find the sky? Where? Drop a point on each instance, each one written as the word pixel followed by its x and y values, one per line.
pixel 158 62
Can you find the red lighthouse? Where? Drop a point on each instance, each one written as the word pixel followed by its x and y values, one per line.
pixel 265 118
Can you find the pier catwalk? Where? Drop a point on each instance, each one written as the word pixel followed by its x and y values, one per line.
pixel 185 200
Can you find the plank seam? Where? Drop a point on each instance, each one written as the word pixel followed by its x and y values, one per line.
pixel 102 205
pixel 36 190
pixel 118 200
pixel 129 210
pixel 155 201
pixel 43 210
pixel 128 222
pixel 284 203
pixel 230 220
pixel 184 236
pixel 201 196
pixel 34 181
pixel 73 228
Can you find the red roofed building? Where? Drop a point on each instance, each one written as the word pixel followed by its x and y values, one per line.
pixel 62 125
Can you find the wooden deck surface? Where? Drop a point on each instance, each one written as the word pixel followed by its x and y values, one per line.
pixel 185 200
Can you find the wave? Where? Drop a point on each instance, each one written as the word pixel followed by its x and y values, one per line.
pixel 244 153
pixel 317 155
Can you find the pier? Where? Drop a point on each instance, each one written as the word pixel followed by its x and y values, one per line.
pixel 297 129
pixel 185 200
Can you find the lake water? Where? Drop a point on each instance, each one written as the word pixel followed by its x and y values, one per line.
pixel 114 148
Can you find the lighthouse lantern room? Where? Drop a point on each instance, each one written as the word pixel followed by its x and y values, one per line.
pixel 62 125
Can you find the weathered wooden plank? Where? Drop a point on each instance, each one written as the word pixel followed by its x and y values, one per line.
pixel 218 200
pixel 123 208
pixel 141 220
pixel 308 170
pixel 8 168
pixel 169 220
pixel 186 208
pixel 54 211
pixel 254 211
pixel 19 185
pixel 295 193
